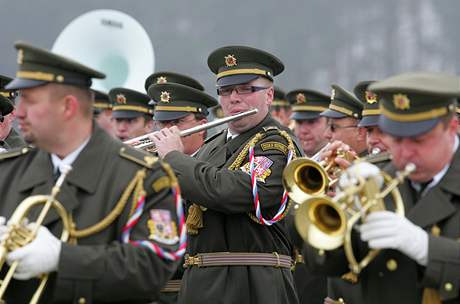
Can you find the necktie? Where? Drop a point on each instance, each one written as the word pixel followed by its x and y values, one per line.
pixel 56 174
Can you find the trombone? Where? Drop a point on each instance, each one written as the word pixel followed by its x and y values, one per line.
pixel 144 142
pixel 18 235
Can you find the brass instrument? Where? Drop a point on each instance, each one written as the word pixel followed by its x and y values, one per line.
pixel 18 235
pixel 144 142
pixel 304 177
pixel 326 223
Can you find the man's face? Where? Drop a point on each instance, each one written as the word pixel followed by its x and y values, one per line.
pixel 282 115
pixel 6 125
pixel 375 139
pixel 430 152
pixel 342 129
pixel 237 103
pixel 105 121
pixel 127 128
pixel 191 142
pixel 311 134
pixel 40 115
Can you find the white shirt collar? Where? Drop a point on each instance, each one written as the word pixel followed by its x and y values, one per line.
pixel 231 135
pixel 437 178
pixel 69 159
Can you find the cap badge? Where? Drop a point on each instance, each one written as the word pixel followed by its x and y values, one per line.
pixel 162 79
pixel 401 102
pixel 20 56
pixel 121 99
pixel 371 98
pixel 165 97
pixel 332 94
pixel 300 98
pixel 230 60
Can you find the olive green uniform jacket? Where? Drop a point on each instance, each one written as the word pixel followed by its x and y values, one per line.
pixel 405 280
pixel 227 195
pixel 14 140
pixel 100 269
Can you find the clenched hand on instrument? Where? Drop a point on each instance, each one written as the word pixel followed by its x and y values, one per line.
pixel 39 256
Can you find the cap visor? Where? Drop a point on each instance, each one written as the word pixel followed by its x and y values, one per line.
pixel 332 114
pixel 406 129
pixel 305 115
pixel 169 115
pixel 126 114
pixel 369 121
pixel 19 83
pixel 235 79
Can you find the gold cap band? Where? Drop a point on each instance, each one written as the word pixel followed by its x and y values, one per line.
pixel 177 109
pixel 132 108
pixel 431 114
pixel 102 105
pixel 242 71
pixel 371 112
pixel 35 75
pixel 298 108
pixel 341 110
pixel 279 102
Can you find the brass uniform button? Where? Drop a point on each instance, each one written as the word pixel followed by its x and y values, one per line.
pixel 448 286
pixel 392 265
pixel 82 301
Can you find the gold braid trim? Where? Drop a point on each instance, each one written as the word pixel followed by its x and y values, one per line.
pixel 195 212
pixel 291 147
pixel 135 187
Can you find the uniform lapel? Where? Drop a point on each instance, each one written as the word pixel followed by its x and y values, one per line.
pixel 86 172
pixel 436 204
pixel 216 151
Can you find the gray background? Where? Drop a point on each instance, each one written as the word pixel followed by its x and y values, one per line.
pixel 320 41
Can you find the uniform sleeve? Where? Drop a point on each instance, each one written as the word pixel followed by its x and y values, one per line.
pixel 119 272
pixel 230 191
pixel 443 268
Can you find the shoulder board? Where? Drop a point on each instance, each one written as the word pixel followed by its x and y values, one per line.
pixel 138 156
pixel 270 128
pixel 213 136
pixel 377 158
pixel 15 153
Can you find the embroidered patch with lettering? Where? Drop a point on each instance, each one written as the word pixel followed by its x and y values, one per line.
pixel 262 166
pixel 162 228
pixel 274 145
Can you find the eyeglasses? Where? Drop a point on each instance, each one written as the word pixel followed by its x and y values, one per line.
pixel 334 127
pixel 242 90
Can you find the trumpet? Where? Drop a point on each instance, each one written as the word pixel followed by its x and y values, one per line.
pixel 326 223
pixel 18 235
pixel 144 142
pixel 304 177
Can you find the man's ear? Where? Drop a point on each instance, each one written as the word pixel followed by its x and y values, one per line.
pixel 71 106
pixel 270 94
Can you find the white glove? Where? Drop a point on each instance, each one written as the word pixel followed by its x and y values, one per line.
pixel 361 169
pixel 385 229
pixel 40 256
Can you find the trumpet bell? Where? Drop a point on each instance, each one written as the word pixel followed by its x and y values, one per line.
pixel 321 223
pixel 303 178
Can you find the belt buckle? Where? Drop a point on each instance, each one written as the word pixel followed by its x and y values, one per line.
pixel 278 263
pixel 193 261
